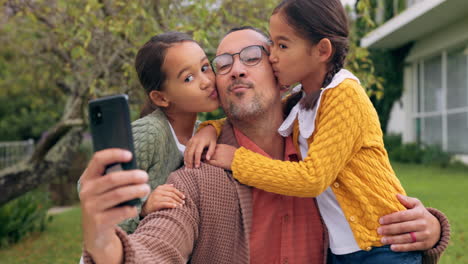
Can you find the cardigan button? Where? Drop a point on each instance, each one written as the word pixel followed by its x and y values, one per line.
pixel 368 248
pixel 336 185
pixel 352 218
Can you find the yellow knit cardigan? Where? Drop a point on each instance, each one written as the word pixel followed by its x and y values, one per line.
pixel 346 152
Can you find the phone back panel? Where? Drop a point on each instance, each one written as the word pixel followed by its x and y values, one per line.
pixel 110 125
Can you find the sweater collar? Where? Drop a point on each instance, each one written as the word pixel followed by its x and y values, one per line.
pixel 306 118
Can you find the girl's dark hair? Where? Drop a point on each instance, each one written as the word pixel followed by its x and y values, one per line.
pixel 149 62
pixel 314 21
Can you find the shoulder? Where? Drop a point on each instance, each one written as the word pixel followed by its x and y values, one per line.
pixel 347 87
pixel 157 119
pixel 153 127
pixel 206 177
pixel 349 92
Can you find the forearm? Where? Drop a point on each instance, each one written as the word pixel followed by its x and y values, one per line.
pixel 217 124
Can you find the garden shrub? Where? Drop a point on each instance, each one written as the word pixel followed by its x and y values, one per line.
pixel 415 153
pixel 392 142
pixel 407 153
pixel 24 215
pixel 434 155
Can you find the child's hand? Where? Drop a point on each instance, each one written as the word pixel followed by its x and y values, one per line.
pixel 205 137
pixel 165 196
pixel 223 156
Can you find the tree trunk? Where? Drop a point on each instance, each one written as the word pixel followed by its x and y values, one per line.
pixel 26 176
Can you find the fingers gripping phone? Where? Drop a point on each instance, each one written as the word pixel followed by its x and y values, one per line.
pixel 110 128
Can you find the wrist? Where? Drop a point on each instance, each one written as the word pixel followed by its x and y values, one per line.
pixel 143 211
pixel 112 252
pixel 442 243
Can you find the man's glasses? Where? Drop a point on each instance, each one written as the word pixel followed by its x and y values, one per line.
pixel 249 56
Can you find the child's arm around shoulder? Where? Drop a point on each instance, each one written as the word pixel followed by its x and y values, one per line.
pixel 206 136
pixel 337 137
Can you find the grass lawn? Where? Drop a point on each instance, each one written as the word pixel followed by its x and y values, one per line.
pixel 445 189
pixel 59 244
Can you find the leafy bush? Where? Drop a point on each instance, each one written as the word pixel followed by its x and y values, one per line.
pixel 24 215
pixel 392 142
pixel 416 153
pixel 435 155
pixel 407 153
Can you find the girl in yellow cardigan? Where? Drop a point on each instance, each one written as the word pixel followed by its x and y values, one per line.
pixel 335 127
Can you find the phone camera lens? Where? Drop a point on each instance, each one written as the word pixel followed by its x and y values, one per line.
pixel 96 116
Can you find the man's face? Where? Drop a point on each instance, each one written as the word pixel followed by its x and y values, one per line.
pixel 246 91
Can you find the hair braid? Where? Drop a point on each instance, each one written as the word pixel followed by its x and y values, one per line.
pixel 335 65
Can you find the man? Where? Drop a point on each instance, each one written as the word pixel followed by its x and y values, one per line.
pixel 222 221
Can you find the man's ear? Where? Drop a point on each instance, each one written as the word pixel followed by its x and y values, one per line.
pixel 325 50
pixel 159 99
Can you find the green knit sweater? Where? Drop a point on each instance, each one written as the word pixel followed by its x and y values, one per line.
pixel 156 153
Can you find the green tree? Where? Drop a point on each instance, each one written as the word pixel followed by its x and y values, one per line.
pixel 68 52
pixel 388 65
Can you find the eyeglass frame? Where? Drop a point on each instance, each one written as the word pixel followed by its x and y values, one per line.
pixel 262 48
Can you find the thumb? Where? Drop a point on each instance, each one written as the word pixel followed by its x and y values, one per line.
pixel 211 150
pixel 406 201
pixel 214 162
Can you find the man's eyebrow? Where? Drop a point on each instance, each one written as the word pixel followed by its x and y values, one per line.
pixel 188 67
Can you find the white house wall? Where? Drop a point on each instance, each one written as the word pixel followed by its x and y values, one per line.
pixel 436 43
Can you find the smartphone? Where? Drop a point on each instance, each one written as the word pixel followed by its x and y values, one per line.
pixel 109 119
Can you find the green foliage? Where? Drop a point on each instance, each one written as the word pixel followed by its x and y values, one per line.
pixel 27 114
pixel 56 55
pixel 23 216
pixel 216 114
pixel 359 60
pixel 407 153
pixel 392 141
pixel 387 66
pixel 434 155
pixel 416 153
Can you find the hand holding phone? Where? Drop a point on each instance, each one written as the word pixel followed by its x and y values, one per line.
pixel 111 128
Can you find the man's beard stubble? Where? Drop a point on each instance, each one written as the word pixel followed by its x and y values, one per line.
pixel 248 110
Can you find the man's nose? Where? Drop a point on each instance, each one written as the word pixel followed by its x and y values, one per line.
pixel 238 69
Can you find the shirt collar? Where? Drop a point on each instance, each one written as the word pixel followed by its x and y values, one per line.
pixel 306 118
pixel 290 153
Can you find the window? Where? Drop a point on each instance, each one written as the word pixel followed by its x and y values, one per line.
pixel 432 96
pixel 441 100
pixel 457 94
